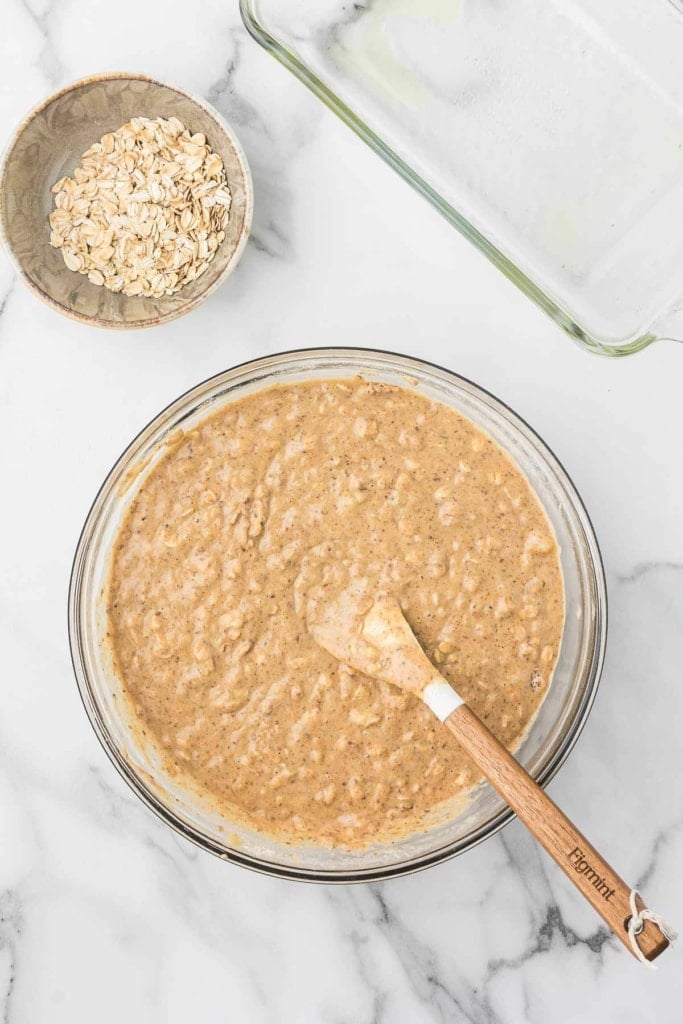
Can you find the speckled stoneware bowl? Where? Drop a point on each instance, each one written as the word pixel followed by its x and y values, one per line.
pixel 48 145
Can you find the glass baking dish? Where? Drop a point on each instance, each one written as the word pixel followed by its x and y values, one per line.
pixel 546 744
pixel 549 133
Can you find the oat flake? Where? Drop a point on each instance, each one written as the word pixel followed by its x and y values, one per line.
pixel 145 210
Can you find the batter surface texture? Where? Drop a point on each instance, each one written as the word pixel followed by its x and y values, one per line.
pixel 300 491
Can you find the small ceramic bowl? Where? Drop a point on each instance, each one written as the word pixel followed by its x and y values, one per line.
pixel 49 144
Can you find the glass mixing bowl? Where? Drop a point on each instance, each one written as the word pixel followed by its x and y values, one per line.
pixel 546 744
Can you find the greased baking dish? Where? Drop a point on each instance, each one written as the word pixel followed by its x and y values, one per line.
pixel 550 134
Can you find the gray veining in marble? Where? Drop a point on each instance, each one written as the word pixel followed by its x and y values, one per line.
pixel 107 915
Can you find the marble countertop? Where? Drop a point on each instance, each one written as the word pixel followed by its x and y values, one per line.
pixel 105 914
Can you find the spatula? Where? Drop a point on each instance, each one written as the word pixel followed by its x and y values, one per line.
pixel 379 643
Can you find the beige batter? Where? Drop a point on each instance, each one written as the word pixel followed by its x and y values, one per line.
pixel 304 491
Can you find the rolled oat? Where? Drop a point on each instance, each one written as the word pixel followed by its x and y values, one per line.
pixel 145 210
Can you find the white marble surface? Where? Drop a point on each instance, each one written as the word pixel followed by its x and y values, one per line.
pixel 107 916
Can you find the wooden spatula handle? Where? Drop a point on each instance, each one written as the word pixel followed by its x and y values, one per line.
pixel 580 861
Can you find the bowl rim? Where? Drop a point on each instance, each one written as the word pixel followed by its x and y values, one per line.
pixel 190 304
pixel 377 873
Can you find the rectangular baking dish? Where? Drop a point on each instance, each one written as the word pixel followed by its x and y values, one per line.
pixel 549 132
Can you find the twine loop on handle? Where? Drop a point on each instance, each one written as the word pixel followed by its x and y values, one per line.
pixel 636 924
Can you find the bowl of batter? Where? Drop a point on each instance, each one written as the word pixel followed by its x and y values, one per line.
pixel 281 483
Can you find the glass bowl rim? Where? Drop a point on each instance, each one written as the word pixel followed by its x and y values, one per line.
pixel 423 861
